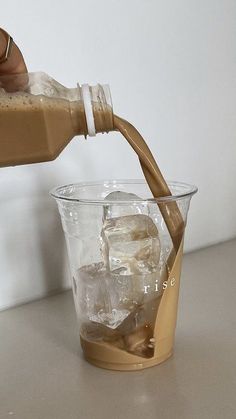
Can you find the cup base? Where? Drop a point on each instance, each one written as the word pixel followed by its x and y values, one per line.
pixel 128 367
pixel 106 356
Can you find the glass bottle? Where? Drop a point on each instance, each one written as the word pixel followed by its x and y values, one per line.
pixel 39 116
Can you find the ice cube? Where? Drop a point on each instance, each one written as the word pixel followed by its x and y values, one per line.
pixel 97 296
pixel 130 244
pixel 112 319
pixel 129 208
pixel 130 248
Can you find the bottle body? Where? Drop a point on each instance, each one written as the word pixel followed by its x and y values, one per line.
pixel 39 116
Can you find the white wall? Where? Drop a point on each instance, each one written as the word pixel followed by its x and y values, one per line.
pixel 171 65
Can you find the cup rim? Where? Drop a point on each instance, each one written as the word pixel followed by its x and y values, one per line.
pixel 56 192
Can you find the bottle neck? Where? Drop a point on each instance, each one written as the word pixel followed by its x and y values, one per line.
pixel 93 112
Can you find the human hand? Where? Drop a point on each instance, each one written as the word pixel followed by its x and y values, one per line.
pixel 11 58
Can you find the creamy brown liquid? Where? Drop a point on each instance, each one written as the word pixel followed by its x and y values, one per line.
pixel 133 345
pixel 36 129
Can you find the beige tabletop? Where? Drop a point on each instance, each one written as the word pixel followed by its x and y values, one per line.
pixel 43 374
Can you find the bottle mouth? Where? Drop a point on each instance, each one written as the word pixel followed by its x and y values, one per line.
pixel 98 108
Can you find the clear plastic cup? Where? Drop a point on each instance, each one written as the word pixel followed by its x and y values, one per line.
pixel 125 270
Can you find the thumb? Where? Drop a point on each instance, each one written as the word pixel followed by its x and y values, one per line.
pixel 15 62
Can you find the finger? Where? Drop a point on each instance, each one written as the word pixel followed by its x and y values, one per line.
pixel 15 63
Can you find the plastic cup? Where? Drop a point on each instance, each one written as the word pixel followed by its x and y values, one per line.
pixel 125 270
